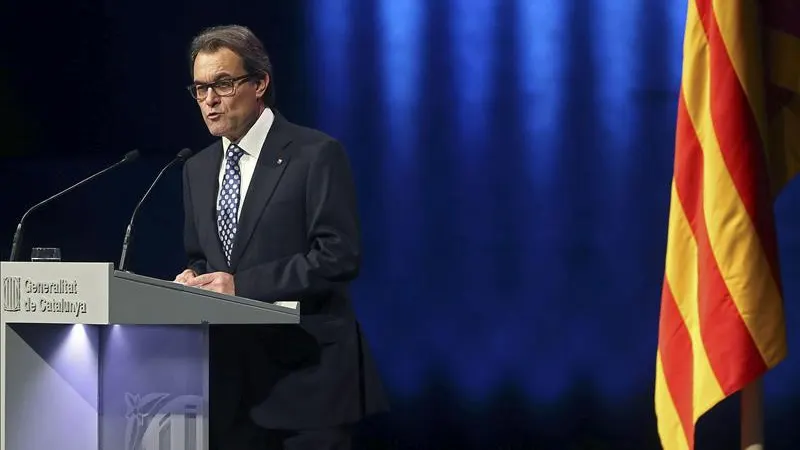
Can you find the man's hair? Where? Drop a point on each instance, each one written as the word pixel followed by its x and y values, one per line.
pixel 240 40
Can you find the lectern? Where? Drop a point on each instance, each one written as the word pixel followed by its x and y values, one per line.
pixel 93 358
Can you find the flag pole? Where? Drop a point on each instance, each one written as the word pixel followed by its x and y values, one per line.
pixel 752 416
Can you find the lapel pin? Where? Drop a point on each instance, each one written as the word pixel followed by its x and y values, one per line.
pixel 279 161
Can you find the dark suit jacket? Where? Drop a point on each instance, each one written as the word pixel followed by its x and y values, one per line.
pixel 298 239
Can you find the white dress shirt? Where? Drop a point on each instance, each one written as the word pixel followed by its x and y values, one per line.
pixel 251 143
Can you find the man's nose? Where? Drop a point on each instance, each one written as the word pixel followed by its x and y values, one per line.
pixel 211 98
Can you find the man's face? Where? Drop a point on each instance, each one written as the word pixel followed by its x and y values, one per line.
pixel 228 115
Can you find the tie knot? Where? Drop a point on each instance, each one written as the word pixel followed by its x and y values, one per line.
pixel 234 153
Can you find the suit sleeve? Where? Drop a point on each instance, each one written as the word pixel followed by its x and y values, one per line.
pixel 191 242
pixel 334 253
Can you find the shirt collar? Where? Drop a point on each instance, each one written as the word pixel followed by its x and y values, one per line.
pixel 253 140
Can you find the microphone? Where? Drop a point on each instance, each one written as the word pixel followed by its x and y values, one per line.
pixel 129 157
pixel 182 155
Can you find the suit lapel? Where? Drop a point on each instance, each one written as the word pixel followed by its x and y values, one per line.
pixel 270 166
pixel 206 200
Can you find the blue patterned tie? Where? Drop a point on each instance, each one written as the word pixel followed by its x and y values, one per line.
pixel 228 206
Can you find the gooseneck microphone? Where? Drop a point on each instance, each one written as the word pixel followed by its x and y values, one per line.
pixel 129 157
pixel 180 157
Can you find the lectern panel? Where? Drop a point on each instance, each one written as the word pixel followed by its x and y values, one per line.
pixel 153 387
pixel 51 394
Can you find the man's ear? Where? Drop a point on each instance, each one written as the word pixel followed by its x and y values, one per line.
pixel 263 83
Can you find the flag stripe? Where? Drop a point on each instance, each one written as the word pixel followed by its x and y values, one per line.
pixel 736 206
pixel 682 276
pixel 742 44
pixel 670 429
pixel 734 121
pixel 675 347
pixel 720 322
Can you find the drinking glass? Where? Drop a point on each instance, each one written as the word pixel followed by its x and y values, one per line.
pixel 41 254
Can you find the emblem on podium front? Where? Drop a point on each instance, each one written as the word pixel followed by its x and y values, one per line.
pixel 164 422
pixel 12 294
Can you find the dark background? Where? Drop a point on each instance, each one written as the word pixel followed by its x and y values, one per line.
pixel 513 161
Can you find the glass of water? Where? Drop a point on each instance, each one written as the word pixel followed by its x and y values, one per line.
pixel 40 254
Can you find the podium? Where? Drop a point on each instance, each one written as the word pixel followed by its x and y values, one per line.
pixel 93 358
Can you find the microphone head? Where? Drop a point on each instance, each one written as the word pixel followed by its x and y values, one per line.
pixel 184 154
pixel 131 156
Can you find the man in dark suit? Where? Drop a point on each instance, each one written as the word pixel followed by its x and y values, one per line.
pixel 270 214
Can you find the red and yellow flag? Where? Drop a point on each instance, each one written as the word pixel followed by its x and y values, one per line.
pixel 737 144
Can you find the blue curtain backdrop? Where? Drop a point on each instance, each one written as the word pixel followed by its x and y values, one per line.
pixel 513 161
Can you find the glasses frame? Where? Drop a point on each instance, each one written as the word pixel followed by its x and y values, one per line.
pixel 234 82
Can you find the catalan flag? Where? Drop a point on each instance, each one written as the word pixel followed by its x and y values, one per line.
pixel 737 145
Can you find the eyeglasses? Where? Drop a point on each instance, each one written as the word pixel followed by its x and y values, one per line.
pixel 224 88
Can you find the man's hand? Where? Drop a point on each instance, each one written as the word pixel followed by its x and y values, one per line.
pixel 221 282
pixel 185 276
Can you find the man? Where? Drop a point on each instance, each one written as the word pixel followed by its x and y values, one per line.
pixel 270 214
